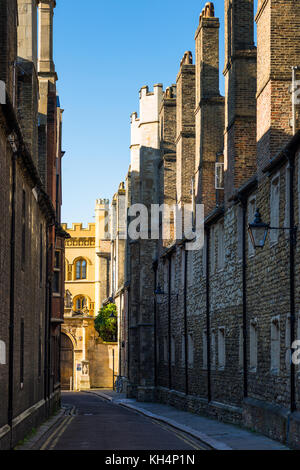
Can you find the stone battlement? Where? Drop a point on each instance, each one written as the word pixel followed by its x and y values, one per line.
pixel 78 230
pixel 102 202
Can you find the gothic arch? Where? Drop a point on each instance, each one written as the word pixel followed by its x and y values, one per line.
pixel 89 262
pixel 70 336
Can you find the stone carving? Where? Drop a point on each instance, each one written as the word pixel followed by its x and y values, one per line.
pixel 187 58
pixel 85 368
pixel 68 299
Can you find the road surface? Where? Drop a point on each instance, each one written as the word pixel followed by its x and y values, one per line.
pixel 96 424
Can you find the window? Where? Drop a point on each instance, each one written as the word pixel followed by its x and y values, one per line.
pixel 81 269
pixel 80 303
pixel 41 255
pixel 212 251
pixel 173 351
pixel 288 343
pixel 193 202
pixel 287 201
pixel 165 349
pixel 190 350
pixel 221 348
pixel 219 175
pixel 183 350
pixel 190 263
pixel 298 188
pixel 221 251
pixel 56 274
pixel 275 345
pixel 166 286
pixel 23 255
pixel 173 273
pixel 274 208
pixel 251 215
pixel 22 354
pixel 183 255
pixel 253 346
pixel 204 256
pixel 213 349
pixel 239 216
pixel 204 351
pixel 2 353
pixel 241 348
pixel 40 352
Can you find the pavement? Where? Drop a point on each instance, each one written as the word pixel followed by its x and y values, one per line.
pixel 213 433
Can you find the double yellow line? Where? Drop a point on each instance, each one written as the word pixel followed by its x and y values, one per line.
pixel 180 435
pixel 56 435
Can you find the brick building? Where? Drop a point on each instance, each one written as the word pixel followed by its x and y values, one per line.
pixel 31 238
pixel 217 336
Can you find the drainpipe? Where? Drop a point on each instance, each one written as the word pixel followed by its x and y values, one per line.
pixel 49 331
pixel 48 310
pixel 46 315
pixel 208 316
pixel 128 334
pixel 12 300
pixel 185 324
pixel 244 283
pixel 169 321
pixel 155 326
pixel 291 158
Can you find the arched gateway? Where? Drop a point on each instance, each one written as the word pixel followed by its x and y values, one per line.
pixel 67 361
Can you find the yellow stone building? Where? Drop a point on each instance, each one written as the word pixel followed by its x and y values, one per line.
pixel 86 361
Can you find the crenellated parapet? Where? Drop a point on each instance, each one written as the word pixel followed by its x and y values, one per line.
pixel 77 230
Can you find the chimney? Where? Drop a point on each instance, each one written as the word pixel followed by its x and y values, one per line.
pixel 45 54
pixel 27 30
pixel 27 73
pixel 167 169
pixel 185 124
pixel 278 38
pixel 209 112
pixel 240 99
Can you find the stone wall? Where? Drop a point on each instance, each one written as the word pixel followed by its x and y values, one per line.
pixel 222 328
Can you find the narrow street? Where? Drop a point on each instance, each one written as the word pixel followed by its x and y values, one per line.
pixel 95 424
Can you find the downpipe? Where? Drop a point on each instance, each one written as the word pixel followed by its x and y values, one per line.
pixel 12 301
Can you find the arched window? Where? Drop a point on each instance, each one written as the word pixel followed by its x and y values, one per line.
pixel 81 269
pixel 80 303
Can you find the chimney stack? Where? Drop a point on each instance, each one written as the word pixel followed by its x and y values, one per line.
pixel 240 95
pixel 209 112
pixel 278 39
pixel 185 133
pixel 27 30
pixel 45 55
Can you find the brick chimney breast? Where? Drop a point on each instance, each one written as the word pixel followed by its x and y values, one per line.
pixel 278 39
pixel 209 112
pixel 240 99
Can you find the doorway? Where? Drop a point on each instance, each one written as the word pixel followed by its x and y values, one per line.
pixel 66 363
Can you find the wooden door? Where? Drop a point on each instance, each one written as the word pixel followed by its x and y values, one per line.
pixel 66 363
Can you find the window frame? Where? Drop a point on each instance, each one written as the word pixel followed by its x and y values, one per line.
pixel 57 273
pixel 81 263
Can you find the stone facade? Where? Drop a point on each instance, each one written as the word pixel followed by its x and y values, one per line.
pixel 88 363
pixel 211 330
pixel 31 238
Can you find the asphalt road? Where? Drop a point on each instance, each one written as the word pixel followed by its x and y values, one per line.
pixel 96 424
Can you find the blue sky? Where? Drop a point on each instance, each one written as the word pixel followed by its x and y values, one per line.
pixel 105 51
